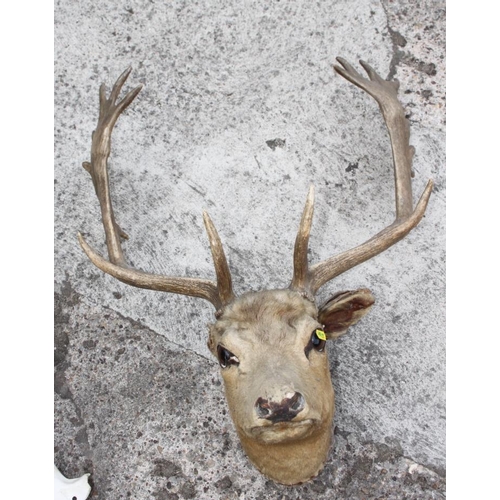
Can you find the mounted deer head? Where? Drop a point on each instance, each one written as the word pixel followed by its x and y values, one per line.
pixel 271 344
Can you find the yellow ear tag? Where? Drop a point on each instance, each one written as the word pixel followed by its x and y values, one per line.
pixel 320 334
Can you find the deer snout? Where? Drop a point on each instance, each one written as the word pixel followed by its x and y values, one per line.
pixel 284 411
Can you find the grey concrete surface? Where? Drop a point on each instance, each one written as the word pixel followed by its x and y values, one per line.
pixel 139 400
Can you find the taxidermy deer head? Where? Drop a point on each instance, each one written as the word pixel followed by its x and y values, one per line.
pixel 271 344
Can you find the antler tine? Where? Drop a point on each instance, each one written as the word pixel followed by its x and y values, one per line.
pixel 194 287
pixel 224 282
pixel 109 111
pixel 219 294
pixel 325 271
pixel 385 93
pixel 300 280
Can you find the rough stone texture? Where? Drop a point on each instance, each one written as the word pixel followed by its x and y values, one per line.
pixel 240 113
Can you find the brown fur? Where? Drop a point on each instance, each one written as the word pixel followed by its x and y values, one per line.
pixel 268 332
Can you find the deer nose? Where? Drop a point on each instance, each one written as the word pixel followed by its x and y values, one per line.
pixel 284 411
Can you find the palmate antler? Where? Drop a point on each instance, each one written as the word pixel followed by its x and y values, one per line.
pixel 219 293
pixel 309 280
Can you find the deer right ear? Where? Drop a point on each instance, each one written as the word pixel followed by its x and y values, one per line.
pixel 343 310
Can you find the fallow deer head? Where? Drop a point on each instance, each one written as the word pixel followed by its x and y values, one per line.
pixel 271 345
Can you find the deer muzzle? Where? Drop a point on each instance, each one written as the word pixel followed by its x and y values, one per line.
pixel 284 411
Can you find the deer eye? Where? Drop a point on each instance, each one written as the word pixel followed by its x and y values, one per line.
pixel 317 341
pixel 226 357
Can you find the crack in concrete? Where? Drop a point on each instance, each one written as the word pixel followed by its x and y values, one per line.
pixel 145 327
pixel 397 40
pixel 66 285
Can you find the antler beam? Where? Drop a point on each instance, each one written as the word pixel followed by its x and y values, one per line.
pixel 310 280
pixel 218 293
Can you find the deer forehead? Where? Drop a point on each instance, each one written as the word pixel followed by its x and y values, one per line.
pixel 270 317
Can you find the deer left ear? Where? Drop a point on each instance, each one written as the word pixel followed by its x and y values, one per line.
pixel 343 310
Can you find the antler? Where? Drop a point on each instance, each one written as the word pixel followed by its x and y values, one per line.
pixel 219 293
pixel 309 280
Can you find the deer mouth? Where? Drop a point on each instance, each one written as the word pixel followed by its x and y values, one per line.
pixel 280 432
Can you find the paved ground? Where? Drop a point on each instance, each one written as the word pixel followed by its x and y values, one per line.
pixel 139 400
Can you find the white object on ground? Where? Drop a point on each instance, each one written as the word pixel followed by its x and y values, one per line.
pixel 70 489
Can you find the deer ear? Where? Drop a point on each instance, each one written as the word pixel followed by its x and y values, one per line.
pixel 343 310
